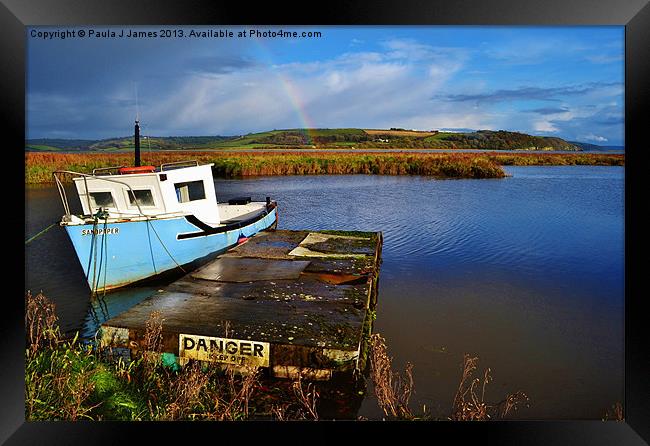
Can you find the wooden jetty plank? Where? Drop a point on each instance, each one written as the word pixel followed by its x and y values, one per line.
pixel 308 288
pixel 312 312
pixel 269 245
pixel 331 244
pixel 239 269
pixel 265 320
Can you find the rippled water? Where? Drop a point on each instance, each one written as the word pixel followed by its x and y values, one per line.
pixel 524 272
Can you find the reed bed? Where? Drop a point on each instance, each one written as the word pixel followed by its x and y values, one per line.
pixel 555 159
pixel 39 166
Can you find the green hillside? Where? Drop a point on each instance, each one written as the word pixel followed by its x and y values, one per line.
pixel 500 140
pixel 394 138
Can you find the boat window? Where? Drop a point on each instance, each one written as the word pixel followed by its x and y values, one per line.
pixel 144 197
pixel 189 191
pixel 102 199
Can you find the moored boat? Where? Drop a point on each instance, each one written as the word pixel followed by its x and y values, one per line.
pixel 141 221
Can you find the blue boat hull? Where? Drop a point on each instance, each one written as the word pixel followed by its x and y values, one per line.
pixel 118 254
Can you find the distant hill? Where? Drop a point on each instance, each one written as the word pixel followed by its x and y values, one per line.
pixel 595 147
pixel 319 138
pixel 57 144
pixel 503 140
pixel 124 143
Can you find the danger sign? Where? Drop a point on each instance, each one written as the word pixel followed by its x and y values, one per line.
pixel 229 351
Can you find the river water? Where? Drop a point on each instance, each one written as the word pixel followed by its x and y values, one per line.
pixel 526 272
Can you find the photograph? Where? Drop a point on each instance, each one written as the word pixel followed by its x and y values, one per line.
pixel 324 222
pixel 348 221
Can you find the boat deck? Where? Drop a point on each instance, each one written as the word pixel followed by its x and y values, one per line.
pixel 292 302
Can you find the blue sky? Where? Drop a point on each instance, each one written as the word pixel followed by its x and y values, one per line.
pixel 549 81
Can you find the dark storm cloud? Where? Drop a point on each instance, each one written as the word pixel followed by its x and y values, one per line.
pixel 219 64
pixel 528 93
pixel 609 121
pixel 549 110
pixel 611 117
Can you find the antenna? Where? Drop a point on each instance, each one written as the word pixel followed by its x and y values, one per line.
pixel 137 108
pixel 136 141
pixel 136 136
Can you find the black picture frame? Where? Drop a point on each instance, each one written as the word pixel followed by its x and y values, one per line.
pixel 15 15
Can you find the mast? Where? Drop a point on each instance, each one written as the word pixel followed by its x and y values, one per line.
pixel 137 143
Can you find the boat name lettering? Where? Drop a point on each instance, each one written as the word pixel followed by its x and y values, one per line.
pixel 100 231
pixel 230 351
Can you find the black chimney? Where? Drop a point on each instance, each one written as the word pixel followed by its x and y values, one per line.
pixel 137 143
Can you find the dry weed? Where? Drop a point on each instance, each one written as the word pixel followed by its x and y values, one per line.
pixel 307 400
pixel 615 413
pixel 186 389
pixel 300 402
pixel 40 322
pixel 393 391
pixel 240 389
pixel 468 406
pixel 152 341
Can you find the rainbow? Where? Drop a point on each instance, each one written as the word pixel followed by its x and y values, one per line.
pixel 293 94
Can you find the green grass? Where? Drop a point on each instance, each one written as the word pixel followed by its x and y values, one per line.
pixel 42 147
pixel 438 136
pixel 320 137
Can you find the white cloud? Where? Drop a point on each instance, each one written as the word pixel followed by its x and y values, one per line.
pixel 592 137
pixel 360 89
pixel 398 85
pixel 544 126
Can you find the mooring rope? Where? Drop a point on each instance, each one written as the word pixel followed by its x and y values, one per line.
pixel 41 233
pixel 93 256
pixel 163 245
pixel 97 269
pixel 93 252
pixel 103 258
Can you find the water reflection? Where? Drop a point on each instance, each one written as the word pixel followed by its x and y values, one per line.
pixel 525 272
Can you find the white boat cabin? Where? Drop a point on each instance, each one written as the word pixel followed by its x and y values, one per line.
pixel 174 188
